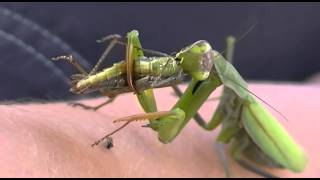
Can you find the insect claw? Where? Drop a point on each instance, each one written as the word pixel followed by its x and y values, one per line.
pixel 56 58
pixel 68 58
pixel 77 76
pixel 74 83
pixel 76 90
pixel 95 143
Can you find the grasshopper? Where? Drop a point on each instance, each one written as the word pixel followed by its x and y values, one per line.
pixel 253 133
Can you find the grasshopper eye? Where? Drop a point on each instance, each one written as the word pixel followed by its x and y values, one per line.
pixel 177 59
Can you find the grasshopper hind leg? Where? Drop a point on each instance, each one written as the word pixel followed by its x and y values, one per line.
pixel 76 77
pixel 93 108
pixel 73 62
pixel 114 39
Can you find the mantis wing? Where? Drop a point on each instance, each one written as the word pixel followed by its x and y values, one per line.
pixel 230 77
pixel 272 138
pixel 146 98
pixel 261 126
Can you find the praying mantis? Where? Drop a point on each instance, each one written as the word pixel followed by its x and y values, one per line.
pixel 253 134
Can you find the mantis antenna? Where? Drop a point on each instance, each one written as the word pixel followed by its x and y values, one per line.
pixel 242 36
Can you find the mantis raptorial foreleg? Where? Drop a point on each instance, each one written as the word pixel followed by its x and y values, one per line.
pixel 196 117
pixel 134 51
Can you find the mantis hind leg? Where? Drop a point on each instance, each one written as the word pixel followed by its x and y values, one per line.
pixel 251 167
pixel 223 158
pixel 239 146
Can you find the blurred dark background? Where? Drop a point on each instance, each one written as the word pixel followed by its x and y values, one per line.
pixel 283 46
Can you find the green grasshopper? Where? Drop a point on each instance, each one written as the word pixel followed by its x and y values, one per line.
pixel 151 72
pixel 253 133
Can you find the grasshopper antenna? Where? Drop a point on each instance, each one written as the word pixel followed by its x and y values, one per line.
pixel 246 89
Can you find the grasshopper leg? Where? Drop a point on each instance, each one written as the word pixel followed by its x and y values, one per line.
pixel 129 119
pixel 93 108
pixel 83 74
pixel 130 68
pixel 114 40
pixel 73 62
pixel 146 98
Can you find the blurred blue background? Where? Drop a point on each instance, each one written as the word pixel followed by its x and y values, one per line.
pixel 283 46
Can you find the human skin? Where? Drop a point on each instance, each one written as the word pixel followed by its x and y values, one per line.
pixel 53 139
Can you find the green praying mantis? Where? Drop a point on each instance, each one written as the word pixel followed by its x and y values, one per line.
pixel 253 133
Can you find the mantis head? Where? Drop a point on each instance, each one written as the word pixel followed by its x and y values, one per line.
pixel 196 59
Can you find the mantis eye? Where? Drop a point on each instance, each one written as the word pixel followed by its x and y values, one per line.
pixel 206 61
pixel 197 59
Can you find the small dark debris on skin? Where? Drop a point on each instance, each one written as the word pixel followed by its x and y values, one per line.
pixel 109 143
pixel 146 126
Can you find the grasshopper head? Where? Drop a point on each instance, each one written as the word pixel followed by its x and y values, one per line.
pixel 197 59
